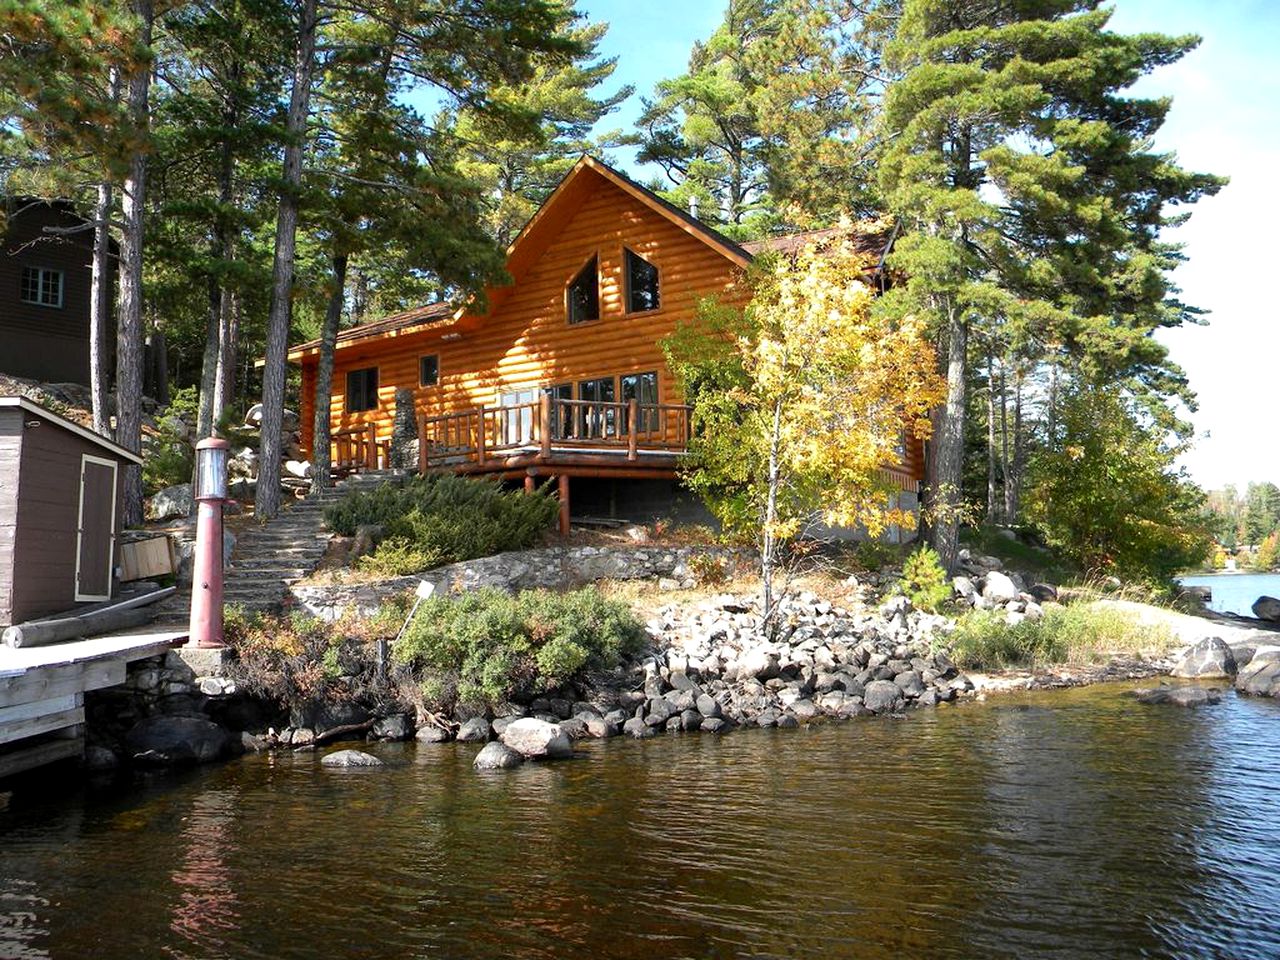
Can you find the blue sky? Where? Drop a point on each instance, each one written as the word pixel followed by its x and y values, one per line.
pixel 1225 120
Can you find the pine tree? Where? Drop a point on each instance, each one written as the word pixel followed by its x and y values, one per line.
pixel 1030 198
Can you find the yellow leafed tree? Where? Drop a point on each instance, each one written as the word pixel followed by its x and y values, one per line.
pixel 801 398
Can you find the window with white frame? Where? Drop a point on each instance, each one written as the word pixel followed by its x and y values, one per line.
pixel 42 286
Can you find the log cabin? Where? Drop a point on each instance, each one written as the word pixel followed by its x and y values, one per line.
pixel 562 374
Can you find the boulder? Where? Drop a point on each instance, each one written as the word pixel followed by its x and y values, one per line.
pixel 1179 696
pixel 173 740
pixel 883 696
pixel 321 714
pixel 171 502
pixel 637 728
pixel 537 740
pixel 708 706
pixel 98 758
pixel 497 756
pixel 1264 608
pixel 598 727
pixel 713 725
pixel 398 726
pixel 910 683
pixel 999 589
pixel 1208 659
pixel 351 758
pixel 475 730
pixel 965 589
pixel 430 733
pixel 1260 677
pixel 658 711
pixel 575 729
pixel 1043 592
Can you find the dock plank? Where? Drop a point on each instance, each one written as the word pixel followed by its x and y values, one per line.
pixel 37 725
pixel 43 683
pixel 28 758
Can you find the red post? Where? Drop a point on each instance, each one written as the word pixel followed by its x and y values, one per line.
pixel 633 425
pixel 530 485
pixel 205 628
pixel 563 487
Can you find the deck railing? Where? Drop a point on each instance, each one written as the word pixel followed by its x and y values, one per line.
pixel 355 449
pixel 551 424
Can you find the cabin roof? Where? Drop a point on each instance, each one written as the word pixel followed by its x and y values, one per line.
pixel 31 406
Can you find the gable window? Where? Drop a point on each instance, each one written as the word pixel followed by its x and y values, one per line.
pixel 42 286
pixel 429 370
pixel 362 390
pixel 642 283
pixel 583 295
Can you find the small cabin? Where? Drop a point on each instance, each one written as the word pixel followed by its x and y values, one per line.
pixel 60 512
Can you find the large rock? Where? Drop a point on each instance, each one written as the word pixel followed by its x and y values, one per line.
pixel 637 728
pixel 497 756
pixel 321 714
pixel 164 739
pixel 1261 675
pixel 537 740
pixel 351 758
pixel 475 730
pixel 398 726
pixel 883 696
pixel 171 502
pixel 430 733
pixel 999 589
pixel 1208 659
pixel 1179 696
pixel 757 664
pixel 1264 608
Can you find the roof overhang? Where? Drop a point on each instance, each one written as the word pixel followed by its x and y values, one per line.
pixel 32 407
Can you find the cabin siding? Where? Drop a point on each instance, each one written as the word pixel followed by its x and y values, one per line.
pixel 45 546
pixel 10 454
pixel 527 341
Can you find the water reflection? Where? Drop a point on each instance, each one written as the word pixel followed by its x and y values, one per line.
pixel 1073 824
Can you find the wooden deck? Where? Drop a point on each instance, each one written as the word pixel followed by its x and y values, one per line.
pixel 42 691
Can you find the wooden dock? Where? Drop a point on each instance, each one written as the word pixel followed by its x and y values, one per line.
pixel 42 691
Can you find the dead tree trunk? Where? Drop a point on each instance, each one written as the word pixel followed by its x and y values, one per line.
pixel 320 452
pixel 274 369
pixel 129 345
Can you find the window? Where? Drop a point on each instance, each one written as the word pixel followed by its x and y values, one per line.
pixel 583 295
pixel 517 424
pixel 41 286
pixel 362 390
pixel 429 370
pixel 643 388
pixel 561 415
pixel 642 283
pixel 598 421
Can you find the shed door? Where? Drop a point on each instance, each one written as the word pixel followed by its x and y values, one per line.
pixel 95 539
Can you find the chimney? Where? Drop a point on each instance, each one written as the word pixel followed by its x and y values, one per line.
pixel 693 205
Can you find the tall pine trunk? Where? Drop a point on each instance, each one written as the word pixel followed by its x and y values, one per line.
pixel 100 308
pixel 275 368
pixel 949 448
pixel 320 452
pixel 1018 465
pixel 228 332
pixel 991 438
pixel 221 251
pixel 129 341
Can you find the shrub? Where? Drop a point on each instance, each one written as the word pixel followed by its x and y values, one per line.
pixel 1076 633
pixel 708 569
pixel 441 518
pixel 487 646
pixel 925 581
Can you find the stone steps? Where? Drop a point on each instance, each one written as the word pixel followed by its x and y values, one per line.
pixel 269 557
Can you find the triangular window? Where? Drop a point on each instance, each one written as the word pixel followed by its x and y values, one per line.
pixel 583 296
pixel 642 284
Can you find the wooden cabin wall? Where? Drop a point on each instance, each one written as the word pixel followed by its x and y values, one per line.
pixel 10 450
pixel 528 342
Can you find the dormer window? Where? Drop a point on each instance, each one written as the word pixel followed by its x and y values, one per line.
pixel 583 296
pixel 642 283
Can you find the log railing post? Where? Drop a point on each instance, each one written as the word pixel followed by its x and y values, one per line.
pixel 544 425
pixel 633 427
pixel 371 447
pixel 482 422
pixel 423 453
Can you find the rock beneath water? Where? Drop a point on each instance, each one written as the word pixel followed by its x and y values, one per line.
pixel 497 756
pixel 537 740
pixel 999 589
pixel 713 725
pixel 883 696
pixel 1210 658
pixel 1260 677
pixel 163 739
pixel 1179 696
pixel 431 734
pixel 475 730
pixel 98 758
pixel 1264 608
pixel 398 726
pixel 637 728
pixel 351 758
pixel 599 727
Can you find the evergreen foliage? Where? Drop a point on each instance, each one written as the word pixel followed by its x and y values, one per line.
pixel 925 581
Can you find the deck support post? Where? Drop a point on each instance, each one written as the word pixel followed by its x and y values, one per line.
pixel 563 487
pixel 633 423
pixel 530 485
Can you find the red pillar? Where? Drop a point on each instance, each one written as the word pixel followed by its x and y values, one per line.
pixel 563 485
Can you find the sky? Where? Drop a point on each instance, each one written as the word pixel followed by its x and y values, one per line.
pixel 1225 120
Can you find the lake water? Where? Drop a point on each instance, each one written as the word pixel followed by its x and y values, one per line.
pixel 1235 592
pixel 1074 824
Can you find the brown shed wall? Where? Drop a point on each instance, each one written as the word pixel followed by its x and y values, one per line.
pixel 44 555
pixel 10 450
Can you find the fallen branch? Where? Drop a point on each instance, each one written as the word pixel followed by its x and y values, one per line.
pixel 336 732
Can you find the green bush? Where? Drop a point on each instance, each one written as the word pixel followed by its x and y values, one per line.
pixel 1077 633
pixel 925 581
pixel 486 646
pixel 441 518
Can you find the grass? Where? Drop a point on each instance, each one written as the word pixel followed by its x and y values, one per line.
pixel 1075 633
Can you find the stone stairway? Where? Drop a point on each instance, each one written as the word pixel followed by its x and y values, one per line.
pixel 268 557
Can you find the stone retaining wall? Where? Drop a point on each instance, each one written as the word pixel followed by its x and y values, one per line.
pixel 556 568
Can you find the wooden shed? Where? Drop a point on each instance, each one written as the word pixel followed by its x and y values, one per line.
pixel 60 512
